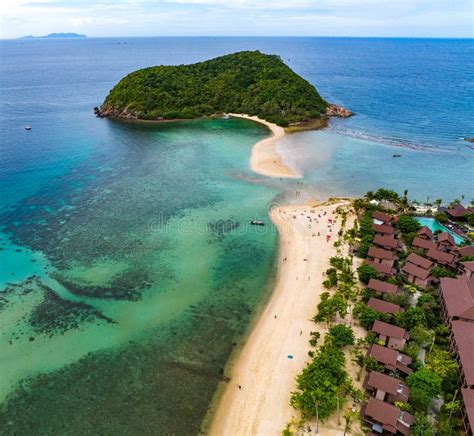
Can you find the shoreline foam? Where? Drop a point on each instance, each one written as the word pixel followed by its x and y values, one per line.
pixel 263 370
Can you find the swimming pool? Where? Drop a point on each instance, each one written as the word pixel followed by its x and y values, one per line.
pixel 434 225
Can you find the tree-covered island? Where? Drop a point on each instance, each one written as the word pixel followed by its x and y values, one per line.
pixel 247 82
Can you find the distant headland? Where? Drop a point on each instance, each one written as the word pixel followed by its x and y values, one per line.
pixel 247 82
pixel 55 35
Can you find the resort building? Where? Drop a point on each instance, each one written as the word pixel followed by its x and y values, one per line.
pixel 467 269
pixel 387 242
pixel 385 418
pixel 425 233
pixel 442 257
pixel 424 244
pixel 382 269
pixel 392 336
pixel 468 250
pixel 382 287
pixel 419 261
pixel 382 306
pixel 386 388
pixel 457 212
pixel 416 275
pixel 446 242
pixel 467 411
pixel 461 344
pixel 380 255
pixel 383 229
pixel 391 360
pixel 457 299
pixel 381 217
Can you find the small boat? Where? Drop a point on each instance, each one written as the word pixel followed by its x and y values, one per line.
pixel 397 155
pixel 227 117
pixel 27 127
pixel 257 223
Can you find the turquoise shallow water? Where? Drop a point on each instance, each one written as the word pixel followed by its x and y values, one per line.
pixel 434 225
pixel 128 271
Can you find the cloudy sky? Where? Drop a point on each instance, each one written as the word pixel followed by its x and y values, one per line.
pixel 415 18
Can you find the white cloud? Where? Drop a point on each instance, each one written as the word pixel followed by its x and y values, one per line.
pixel 233 17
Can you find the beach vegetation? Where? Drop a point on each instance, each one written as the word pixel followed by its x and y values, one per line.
pixel 442 271
pixel 366 272
pixel 247 82
pixel 441 217
pixel 340 335
pixel 330 306
pixel 407 224
pixel 424 386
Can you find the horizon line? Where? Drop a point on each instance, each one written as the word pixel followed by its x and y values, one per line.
pixel 241 36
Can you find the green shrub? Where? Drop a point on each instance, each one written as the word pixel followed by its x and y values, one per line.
pixel 366 272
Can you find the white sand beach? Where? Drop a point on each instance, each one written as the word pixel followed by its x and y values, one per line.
pixel 265 158
pixel 256 400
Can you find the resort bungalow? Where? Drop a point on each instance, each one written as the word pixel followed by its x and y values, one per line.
pixel 386 388
pixel 467 411
pixel 387 242
pixel 392 336
pixel 384 418
pixel 461 344
pixel 383 229
pixel 457 299
pixel 381 256
pixel 382 306
pixel 457 212
pixel 417 270
pixel 391 360
pixel 446 242
pixel 442 257
pixel 425 233
pixel 381 218
pixel 382 269
pixel 467 269
pixel 424 244
pixel 382 287
pixel 468 250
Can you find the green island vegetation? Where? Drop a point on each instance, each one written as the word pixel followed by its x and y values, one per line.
pixel 247 82
pixel 324 385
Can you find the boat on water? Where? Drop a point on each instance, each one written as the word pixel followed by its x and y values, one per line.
pixel 27 127
pixel 257 223
pixel 397 155
pixel 227 117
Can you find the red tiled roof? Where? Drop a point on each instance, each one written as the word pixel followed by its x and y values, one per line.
pixel 440 256
pixel 380 286
pixel 458 296
pixel 387 356
pixel 463 333
pixel 416 271
pixel 468 400
pixel 380 253
pixel 419 261
pixel 457 211
pixel 468 265
pixel 425 231
pixel 468 250
pixel 386 383
pixel 383 228
pixel 446 237
pixel 383 306
pixel 423 243
pixel 384 413
pixel 386 241
pixel 384 217
pixel 381 268
pixel 392 331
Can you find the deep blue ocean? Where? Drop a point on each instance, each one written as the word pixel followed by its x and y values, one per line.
pixel 127 270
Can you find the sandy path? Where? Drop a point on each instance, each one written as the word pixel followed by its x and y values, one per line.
pixel 265 158
pixel 263 370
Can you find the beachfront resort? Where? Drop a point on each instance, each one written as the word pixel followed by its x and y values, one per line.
pixel 392 344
